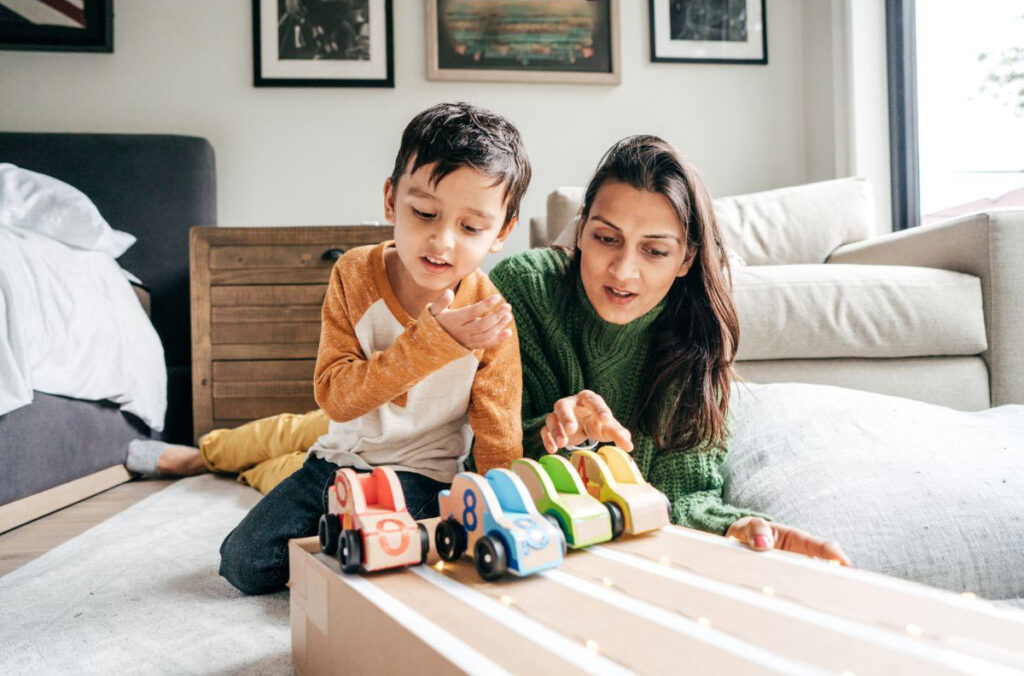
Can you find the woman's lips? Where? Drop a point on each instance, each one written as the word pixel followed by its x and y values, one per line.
pixel 618 296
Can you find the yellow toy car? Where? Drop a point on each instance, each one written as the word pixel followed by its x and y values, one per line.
pixel 610 475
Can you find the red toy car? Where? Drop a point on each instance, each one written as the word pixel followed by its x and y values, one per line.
pixel 367 525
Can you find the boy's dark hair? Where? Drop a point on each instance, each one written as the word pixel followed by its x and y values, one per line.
pixel 462 135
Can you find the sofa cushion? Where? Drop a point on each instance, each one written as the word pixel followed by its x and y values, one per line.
pixel 825 310
pixel 957 382
pixel 799 224
pixel 908 489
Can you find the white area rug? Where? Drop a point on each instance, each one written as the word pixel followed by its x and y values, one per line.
pixel 140 594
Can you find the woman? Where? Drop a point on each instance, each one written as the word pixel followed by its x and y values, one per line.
pixel 629 338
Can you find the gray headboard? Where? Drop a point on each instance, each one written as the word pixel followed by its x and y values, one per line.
pixel 156 187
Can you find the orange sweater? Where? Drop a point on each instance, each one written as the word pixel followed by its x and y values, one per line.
pixel 400 390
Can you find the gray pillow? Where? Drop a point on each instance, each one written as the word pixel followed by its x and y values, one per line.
pixel 909 489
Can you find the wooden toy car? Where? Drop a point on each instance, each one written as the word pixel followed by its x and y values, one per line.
pixel 610 475
pixel 559 493
pixel 495 516
pixel 367 525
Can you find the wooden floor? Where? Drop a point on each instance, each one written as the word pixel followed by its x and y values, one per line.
pixel 21 545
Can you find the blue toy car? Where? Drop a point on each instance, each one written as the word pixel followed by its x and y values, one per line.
pixel 497 518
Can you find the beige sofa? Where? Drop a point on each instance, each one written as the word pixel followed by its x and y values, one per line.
pixel 935 313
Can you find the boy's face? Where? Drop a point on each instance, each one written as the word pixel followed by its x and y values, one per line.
pixel 443 232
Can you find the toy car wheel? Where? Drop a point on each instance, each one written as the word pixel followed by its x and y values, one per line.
pixel 618 520
pixel 350 551
pixel 557 523
pixel 449 540
pixel 424 543
pixel 668 508
pixel 490 558
pixel 329 529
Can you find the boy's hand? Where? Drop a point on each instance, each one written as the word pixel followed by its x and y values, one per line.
pixel 760 535
pixel 478 326
pixel 583 416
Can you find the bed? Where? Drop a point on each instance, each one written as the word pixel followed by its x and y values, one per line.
pixel 154 187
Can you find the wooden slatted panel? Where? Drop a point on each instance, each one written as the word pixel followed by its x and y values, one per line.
pixel 199 291
pixel 277 388
pixel 281 256
pixel 271 276
pixel 247 332
pixel 261 371
pixel 265 351
pixel 257 313
pixel 261 407
pixel 227 424
pixel 256 300
pixel 286 294
pixel 342 236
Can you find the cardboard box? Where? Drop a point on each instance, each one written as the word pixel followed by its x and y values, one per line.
pixel 667 602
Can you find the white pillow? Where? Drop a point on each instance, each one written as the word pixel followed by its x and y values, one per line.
pixel 53 208
pixel 909 489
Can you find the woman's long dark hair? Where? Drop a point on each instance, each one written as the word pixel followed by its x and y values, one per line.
pixel 686 381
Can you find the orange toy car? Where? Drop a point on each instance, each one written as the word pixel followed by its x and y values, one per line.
pixel 367 525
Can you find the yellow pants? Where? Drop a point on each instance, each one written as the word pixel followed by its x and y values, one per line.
pixel 263 452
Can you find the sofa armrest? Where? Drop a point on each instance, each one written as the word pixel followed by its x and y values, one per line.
pixel 539 232
pixel 988 245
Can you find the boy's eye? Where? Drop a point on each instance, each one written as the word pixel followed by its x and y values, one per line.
pixel 422 214
pixel 471 229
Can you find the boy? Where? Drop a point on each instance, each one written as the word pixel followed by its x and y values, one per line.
pixel 415 343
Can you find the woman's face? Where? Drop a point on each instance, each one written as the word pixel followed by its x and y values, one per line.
pixel 632 247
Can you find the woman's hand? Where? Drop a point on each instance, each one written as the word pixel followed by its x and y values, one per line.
pixel 761 535
pixel 583 416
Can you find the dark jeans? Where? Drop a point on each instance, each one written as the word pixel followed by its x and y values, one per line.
pixel 254 556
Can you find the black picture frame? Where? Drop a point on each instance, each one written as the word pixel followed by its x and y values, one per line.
pixel 312 71
pixel 89 29
pixel 753 51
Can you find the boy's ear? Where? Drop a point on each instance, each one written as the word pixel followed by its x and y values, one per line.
pixel 389 201
pixel 506 230
pixel 691 256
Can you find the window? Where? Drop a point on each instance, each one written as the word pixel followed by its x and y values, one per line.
pixel 956 73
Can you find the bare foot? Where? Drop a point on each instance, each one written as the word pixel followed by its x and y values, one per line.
pixel 180 461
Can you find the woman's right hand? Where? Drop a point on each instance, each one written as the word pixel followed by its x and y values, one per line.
pixel 579 417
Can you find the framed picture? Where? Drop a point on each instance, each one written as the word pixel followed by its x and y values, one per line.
pixel 322 43
pixel 709 31
pixel 57 25
pixel 523 40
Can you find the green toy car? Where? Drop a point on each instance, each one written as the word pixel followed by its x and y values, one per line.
pixel 559 493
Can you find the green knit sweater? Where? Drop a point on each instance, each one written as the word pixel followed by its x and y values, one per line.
pixel 566 347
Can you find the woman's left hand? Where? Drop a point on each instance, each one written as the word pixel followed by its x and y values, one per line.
pixel 761 535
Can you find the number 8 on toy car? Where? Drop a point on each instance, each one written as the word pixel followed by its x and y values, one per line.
pixel 495 516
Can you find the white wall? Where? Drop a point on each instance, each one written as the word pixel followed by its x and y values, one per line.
pixel 290 156
pixel 869 101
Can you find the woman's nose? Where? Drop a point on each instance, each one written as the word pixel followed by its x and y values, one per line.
pixel 624 266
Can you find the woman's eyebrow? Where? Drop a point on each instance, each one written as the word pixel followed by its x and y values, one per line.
pixel 658 235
